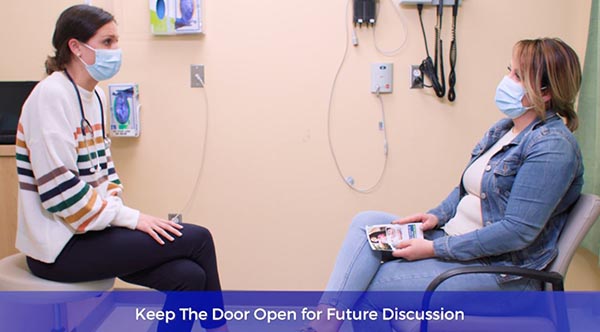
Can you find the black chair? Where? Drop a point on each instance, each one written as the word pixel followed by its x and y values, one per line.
pixel 581 218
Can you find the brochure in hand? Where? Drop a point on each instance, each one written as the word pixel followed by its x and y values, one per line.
pixel 387 237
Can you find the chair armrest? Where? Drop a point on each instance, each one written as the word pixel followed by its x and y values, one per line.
pixel 553 278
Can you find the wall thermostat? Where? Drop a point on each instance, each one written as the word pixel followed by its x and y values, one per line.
pixel 124 110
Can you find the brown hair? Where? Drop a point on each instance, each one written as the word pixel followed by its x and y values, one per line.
pixel 80 22
pixel 550 66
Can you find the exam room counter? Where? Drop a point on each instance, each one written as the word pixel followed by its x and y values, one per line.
pixel 583 274
pixel 8 200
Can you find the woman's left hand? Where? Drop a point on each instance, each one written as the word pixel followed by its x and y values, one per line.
pixel 157 228
pixel 414 249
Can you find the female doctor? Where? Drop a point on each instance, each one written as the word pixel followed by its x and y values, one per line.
pixel 73 225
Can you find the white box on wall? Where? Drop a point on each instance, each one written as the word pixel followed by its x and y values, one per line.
pixel 172 17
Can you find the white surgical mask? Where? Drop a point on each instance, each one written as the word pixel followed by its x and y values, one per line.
pixel 107 65
pixel 509 96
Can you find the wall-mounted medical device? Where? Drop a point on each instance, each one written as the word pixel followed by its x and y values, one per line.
pixel 381 77
pixel 429 2
pixel 124 110
pixel 433 67
pixel 364 12
pixel 173 17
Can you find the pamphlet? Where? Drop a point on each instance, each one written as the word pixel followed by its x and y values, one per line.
pixel 387 237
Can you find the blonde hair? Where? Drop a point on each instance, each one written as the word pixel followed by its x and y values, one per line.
pixel 550 66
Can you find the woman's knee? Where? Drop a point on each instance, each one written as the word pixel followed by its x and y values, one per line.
pixel 195 281
pixel 197 232
pixel 188 276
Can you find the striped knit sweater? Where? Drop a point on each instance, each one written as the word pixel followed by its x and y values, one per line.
pixel 60 194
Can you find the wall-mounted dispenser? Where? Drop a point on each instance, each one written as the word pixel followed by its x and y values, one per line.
pixel 124 110
pixel 172 17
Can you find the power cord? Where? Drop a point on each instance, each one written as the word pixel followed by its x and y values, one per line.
pixel 186 207
pixel 404 30
pixel 427 67
pixel 349 181
pixel 452 75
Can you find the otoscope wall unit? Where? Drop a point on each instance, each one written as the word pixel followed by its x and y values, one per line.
pixel 429 2
pixel 174 17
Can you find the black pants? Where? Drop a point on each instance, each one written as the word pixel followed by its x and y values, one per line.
pixel 187 264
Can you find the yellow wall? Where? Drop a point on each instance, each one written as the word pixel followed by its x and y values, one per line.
pixel 270 191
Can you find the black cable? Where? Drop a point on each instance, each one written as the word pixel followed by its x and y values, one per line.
pixel 440 90
pixel 427 66
pixel 452 75
pixel 420 9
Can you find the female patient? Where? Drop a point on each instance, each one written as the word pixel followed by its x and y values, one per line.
pixel 510 205
pixel 73 225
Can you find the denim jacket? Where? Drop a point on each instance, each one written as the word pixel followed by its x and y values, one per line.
pixel 527 190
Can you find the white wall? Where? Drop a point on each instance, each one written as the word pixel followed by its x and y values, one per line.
pixel 270 191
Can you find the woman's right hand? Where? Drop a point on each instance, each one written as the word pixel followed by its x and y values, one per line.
pixel 428 221
pixel 156 227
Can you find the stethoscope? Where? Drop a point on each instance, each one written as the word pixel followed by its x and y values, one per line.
pixel 86 126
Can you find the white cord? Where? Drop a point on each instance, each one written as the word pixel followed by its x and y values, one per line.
pixel 404 30
pixel 350 181
pixel 177 217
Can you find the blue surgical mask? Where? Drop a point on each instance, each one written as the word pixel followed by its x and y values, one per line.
pixel 509 96
pixel 107 65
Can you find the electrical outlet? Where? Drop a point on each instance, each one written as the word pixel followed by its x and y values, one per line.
pixel 416 77
pixel 197 76
pixel 176 217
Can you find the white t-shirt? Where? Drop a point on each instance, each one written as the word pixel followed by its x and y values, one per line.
pixel 468 212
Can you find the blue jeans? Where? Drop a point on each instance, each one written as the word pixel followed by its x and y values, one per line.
pixel 358 268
